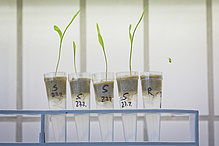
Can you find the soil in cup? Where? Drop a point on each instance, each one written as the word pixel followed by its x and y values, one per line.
pixel 128 91
pixel 56 92
pixel 151 90
pixel 104 94
pixel 80 92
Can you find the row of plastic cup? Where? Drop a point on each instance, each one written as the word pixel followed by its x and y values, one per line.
pixel 104 88
pixel 103 84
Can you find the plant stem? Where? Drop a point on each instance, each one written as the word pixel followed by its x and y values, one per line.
pixel 106 62
pixel 130 60
pixel 131 40
pixel 59 56
pixel 169 59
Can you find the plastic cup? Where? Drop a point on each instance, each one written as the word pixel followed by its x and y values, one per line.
pixel 128 94
pixel 80 95
pixel 104 94
pixel 151 83
pixel 56 95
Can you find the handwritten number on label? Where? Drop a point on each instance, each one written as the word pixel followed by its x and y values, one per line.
pixel 80 104
pixel 103 98
pixel 53 94
pixel 56 94
pixel 124 104
pixel 84 104
pixel 130 103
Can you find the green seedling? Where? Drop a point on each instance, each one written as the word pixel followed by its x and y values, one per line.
pixel 102 44
pixel 131 37
pixel 169 60
pixel 74 50
pixel 61 35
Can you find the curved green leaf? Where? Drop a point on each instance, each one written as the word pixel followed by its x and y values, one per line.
pixel 56 28
pixel 98 29
pixel 74 50
pixel 102 44
pixel 74 46
pixel 71 21
pixel 130 35
pixel 101 41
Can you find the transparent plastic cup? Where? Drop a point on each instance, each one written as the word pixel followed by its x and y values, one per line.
pixel 104 94
pixel 128 94
pixel 56 95
pixel 151 83
pixel 80 95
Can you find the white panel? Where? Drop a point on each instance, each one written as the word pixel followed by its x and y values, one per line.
pixel 9 132
pixel 215 17
pixel 216 133
pixel 118 131
pixel 203 133
pixel 114 17
pixel 174 131
pixel 8 56
pixel 140 130
pixel 50 133
pixel 95 134
pixel 179 131
pixel 71 131
pixel 178 29
pixel 41 44
pixel 31 132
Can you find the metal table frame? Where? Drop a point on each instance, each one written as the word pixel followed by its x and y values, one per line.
pixel 193 124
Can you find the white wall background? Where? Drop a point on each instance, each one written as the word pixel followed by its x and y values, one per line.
pixel 176 29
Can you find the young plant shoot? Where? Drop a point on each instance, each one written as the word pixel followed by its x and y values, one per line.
pixel 61 35
pixel 131 37
pixel 102 44
pixel 169 60
pixel 74 50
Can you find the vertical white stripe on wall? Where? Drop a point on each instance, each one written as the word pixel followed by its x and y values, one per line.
pixel 210 73
pixel 146 49
pixel 83 53
pixel 8 65
pixel 19 70
pixel 146 36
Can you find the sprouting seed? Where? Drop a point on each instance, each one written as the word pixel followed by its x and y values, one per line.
pixel 131 37
pixel 61 35
pixel 169 60
pixel 102 44
pixel 74 50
